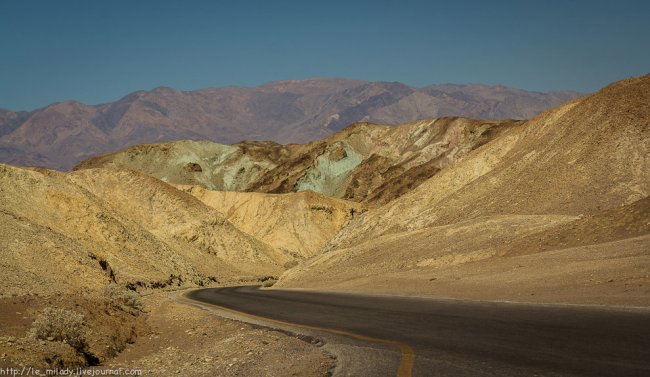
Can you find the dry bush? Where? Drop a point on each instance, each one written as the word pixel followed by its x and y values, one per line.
pixel 290 264
pixel 124 297
pixel 269 282
pixel 60 325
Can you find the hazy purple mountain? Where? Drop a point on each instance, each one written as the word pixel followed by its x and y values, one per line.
pixel 62 134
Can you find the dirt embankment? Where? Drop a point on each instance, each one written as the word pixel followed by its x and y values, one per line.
pixel 190 341
pixel 164 338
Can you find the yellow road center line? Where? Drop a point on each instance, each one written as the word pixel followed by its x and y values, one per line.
pixel 407 355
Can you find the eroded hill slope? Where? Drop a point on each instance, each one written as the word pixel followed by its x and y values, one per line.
pixel 80 231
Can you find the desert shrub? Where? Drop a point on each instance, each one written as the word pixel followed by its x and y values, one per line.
pixel 290 264
pixel 124 297
pixel 60 325
pixel 321 207
pixel 269 283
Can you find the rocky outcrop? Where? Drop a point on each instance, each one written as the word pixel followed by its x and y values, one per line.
pixel 363 163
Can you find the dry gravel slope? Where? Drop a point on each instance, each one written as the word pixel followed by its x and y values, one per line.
pixel 595 259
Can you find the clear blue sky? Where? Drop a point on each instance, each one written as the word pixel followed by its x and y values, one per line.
pixel 98 51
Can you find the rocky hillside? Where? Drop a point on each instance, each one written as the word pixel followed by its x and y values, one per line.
pixel 80 231
pixel 364 162
pixel 553 210
pixel 62 134
pixel 577 159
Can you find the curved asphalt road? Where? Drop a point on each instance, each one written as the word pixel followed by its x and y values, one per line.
pixel 464 338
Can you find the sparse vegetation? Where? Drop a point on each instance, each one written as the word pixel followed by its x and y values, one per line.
pixel 268 281
pixel 60 325
pixel 124 297
pixel 321 207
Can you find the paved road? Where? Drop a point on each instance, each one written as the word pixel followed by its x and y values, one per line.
pixel 464 338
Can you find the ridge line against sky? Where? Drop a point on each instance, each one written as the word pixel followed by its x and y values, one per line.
pixel 124 95
pixel 97 52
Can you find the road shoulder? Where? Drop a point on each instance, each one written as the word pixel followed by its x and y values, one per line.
pixel 188 340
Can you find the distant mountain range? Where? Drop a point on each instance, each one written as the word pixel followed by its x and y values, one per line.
pixel 297 111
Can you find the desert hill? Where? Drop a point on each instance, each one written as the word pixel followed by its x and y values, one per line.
pixel 583 157
pixel 364 162
pixel 102 226
pixel 62 134
pixel 299 224
pixel 89 243
pixel 555 209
